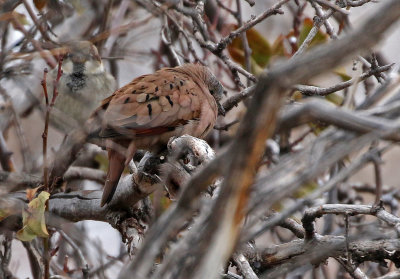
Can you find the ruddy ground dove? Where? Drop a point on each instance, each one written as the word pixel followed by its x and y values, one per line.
pixel 148 111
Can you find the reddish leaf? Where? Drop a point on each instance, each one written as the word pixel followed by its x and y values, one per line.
pixel 260 48
pixel 40 4
pixel 278 47
pixel 30 193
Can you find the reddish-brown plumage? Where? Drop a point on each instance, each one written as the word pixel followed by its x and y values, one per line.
pixel 149 110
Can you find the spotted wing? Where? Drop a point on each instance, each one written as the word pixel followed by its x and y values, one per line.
pixel 152 104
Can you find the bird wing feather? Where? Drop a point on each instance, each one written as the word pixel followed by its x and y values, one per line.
pixel 152 104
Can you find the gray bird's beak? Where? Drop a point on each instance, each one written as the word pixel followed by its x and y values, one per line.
pixel 78 58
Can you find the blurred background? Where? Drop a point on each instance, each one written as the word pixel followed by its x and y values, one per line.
pixel 128 37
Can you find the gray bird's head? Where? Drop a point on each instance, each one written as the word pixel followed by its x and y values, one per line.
pixel 83 57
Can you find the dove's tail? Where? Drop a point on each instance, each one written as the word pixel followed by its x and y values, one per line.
pixel 116 165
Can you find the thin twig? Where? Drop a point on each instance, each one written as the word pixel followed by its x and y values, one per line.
pixel 229 10
pixel 332 6
pixel 224 42
pixel 49 106
pixel 356 3
pixel 318 21
pixel 245 43
pixel 348 209
pixel 166 39
pixel 319 91
pixel 35 20
pixel 46 56
pixel 251 2
pixel 44 135
pixel 85 268
pixel 329 28
pixel 226 126
pixel 377 161
pixel 25 151
pixel 346 235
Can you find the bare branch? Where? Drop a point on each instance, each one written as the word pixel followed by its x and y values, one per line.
pixel 313 90
pixel 254 21
pixel 244 266
pixel 316 212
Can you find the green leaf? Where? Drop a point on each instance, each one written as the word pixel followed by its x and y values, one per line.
pixel 79 8
pixel 319 38
pixel 297 96
pixel 341 72
pixel 102 161
pixel 260 49
pixel 21 18
pixel 335 99
pixel 33 219
pixel 4 213
pixel 305 189
pixel 317 128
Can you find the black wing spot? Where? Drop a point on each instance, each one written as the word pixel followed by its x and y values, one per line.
pixel 147 97
pixel 150 109
pixel 134 91
pixel 126 100
pixel 171 86
pixel 181 82
pixel 170 101
pixel 156 88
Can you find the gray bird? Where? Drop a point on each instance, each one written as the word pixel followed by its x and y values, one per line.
pixel 81 88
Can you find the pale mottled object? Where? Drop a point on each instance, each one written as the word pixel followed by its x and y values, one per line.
pixel 148 111
pixel 191 154
pixel 82 86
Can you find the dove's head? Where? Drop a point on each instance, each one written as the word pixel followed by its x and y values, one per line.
pixel 215 87
pixel 205 75
pixel 216 90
